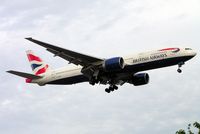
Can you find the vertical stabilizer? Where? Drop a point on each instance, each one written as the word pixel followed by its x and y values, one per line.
pixel 37 64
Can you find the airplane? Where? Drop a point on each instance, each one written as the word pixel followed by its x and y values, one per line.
pixel 112 71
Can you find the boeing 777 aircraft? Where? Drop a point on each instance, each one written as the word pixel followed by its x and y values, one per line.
pixel 113 71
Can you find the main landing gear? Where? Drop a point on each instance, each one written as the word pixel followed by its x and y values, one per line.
pixel 93 81
pixel 111 88
pixel 179 67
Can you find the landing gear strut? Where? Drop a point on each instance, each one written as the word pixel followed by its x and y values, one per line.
pixel 111 88
pixel 179 67
pixel 93 81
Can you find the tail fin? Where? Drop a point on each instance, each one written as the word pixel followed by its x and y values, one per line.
pixel 37 65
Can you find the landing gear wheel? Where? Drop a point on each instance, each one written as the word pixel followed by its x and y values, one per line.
pixel 115 87
pixel 179 70
pixel 111 89
pixel 107 90
pixel 92 83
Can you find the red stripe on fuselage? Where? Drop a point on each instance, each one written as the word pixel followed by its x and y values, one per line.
pixel 33 58
pixel 168 49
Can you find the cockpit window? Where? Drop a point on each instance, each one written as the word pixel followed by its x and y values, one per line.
pixel 188 49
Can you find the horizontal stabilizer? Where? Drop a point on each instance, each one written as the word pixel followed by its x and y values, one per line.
pixel 25 75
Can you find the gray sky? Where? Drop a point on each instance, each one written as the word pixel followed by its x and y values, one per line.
pixel 103 28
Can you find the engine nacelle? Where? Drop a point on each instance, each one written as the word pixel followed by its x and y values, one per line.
pixel 113 64
pixel 140 79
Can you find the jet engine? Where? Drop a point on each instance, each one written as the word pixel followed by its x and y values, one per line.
pixel 140 79
pixel 113 64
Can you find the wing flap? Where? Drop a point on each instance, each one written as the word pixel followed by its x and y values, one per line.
pixel 25 75
pixel 66 57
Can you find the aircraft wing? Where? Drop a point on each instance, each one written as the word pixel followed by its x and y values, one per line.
pixel 71 56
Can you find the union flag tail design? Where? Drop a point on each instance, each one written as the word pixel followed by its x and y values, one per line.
pixel 37 65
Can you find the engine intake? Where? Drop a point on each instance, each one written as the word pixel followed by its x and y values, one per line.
pixel 140 79
pixel 113 64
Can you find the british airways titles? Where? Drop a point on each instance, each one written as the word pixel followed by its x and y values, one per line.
pixel 150 58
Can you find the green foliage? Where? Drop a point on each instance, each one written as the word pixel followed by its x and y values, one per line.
pixel 195 125
pixel 189 129
pixel 181 131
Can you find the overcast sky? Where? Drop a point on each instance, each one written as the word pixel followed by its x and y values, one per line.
pixel 103 28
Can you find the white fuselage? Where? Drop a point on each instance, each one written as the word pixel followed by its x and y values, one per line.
pixel 143 59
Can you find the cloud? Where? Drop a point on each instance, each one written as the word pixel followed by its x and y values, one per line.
pixel 102 28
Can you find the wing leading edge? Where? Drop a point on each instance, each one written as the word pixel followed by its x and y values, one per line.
pixel 71 56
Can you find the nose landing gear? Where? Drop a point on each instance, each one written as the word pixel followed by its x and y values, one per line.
pixel 179 70
pixel 179 67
